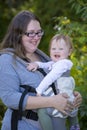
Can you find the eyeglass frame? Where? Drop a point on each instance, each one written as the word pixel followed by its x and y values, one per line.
pixel 39 33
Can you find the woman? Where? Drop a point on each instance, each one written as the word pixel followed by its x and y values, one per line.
pixel 18 48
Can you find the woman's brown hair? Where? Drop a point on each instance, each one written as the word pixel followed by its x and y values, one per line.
pixel 16 29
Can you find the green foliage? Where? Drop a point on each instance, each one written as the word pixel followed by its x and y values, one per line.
pixel 83 110
pixel 2 110
pixel 80 8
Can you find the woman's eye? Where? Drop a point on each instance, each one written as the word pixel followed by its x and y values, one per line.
pixel 60 48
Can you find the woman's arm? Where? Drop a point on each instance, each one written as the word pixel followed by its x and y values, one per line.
pixel 59 102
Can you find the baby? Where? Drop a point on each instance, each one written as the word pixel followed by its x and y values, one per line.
pixel 59 72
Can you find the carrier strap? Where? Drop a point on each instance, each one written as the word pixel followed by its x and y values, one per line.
pixel 14 120
pixel 17 114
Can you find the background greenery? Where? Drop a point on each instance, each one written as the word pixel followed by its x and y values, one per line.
pixel 57 16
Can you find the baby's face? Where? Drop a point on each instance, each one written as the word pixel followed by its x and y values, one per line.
pixel 59 50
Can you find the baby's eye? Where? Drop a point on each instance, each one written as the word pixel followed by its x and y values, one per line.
pixel 60 48
pixel 53 48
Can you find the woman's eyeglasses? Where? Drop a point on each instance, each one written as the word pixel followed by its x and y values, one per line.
pixel 31 34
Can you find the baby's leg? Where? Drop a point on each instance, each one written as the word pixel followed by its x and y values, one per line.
pixel 74 124
pixel 45 120
pixel 59 123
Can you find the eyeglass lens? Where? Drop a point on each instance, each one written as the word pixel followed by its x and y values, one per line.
pixel 33 34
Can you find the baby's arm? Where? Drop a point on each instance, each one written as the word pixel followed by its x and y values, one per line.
pixel 58 69
pixel 34 65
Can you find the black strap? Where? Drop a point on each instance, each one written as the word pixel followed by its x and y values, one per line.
pixel 14 120
pixel 54 89
pixel 29 114
pixel 42 71
pixel 21 103
pixel 27 89
pixel 17 114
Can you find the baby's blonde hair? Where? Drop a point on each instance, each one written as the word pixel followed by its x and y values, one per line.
pixel 66 38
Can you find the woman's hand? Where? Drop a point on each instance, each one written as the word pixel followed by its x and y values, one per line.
pixel 62 104
pixel 78 99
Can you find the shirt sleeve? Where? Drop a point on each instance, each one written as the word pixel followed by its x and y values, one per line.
pixel 45 65
pixel 9 84
pixel 58 69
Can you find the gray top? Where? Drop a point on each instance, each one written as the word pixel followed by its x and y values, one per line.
pixel 12 74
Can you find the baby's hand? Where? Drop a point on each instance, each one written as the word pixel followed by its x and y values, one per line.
pixel 32 66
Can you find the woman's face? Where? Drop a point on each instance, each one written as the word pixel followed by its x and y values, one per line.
pixel 32 36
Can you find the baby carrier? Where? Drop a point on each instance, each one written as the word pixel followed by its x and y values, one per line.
pixel 29 114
